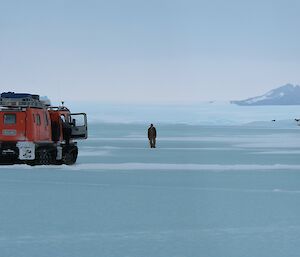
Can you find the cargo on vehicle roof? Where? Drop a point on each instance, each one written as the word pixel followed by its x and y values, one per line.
pixel 19 95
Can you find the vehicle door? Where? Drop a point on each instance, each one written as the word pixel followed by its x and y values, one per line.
pixel 78 122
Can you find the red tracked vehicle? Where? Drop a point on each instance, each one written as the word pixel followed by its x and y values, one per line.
pixel 34 132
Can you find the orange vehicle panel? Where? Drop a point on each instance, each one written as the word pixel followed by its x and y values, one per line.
pixel 30 124
pixel 38 125
pixel 12 125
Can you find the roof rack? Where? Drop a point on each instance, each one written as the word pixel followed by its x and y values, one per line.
pixel 11 99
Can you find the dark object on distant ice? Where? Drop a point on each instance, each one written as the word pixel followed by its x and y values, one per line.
pixel 298 121
pixel 152 136
pixel 285 95
pixel 273 120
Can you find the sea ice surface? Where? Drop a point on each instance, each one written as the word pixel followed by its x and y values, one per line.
pixel 213 191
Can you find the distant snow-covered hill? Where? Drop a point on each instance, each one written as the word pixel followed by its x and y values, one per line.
pixel 285 95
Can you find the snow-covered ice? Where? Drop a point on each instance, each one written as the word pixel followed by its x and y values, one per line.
pixel 212 191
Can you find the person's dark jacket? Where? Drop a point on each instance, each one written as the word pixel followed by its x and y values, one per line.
pixel 152 132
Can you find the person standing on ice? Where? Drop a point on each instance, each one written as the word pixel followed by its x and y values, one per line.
pixel 152 136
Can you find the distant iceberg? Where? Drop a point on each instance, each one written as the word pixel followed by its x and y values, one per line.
pixel 285 95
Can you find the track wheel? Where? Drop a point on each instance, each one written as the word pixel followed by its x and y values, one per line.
pixel 70 156
pixel 44 157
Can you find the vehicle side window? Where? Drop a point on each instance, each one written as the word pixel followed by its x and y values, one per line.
pixel 38 119
pixel 10 119
pixel 46 119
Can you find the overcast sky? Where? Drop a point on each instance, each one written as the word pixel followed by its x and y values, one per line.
pixel 158 51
